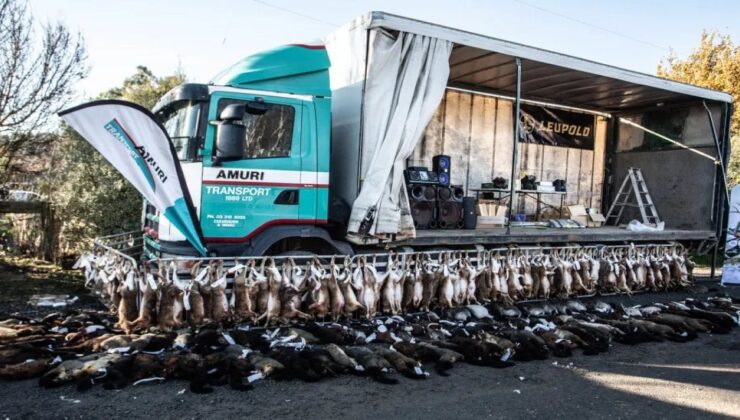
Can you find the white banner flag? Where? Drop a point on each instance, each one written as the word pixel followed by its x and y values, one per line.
pixel 138 146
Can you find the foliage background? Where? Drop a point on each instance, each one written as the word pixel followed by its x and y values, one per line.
pixel 92 199
pixel 714 64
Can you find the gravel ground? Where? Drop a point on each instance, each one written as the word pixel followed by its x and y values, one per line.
pixel 698 379
pixel 20 279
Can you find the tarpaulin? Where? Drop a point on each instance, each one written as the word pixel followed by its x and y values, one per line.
pixel 406 79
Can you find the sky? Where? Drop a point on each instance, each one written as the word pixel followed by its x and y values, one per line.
pixel 201 38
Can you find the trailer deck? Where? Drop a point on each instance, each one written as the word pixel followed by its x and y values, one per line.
pixel 531 235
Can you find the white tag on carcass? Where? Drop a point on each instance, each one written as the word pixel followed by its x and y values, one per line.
pixel 150 280
pixel 235 268
pixel 220 283
pixel 254 377
pixel 382 329
pixel 370 338
pixel 229 339
pixel 418 370
pixel 152 379
pixel 201 275
pixel 92 328
pixel 507 355
pixel 186 300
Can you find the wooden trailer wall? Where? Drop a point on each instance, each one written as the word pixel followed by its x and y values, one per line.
pixel 476 131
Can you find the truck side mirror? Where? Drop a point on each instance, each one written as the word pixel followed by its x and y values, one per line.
pixel 230 133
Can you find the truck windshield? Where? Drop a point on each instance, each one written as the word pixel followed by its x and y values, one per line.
pixel 181 123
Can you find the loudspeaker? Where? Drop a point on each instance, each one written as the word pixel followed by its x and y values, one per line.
pixel 452 193
pixel 441 165
pixel 470 215
pixel 450 207
pixel 422 202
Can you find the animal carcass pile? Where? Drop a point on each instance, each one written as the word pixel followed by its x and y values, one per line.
pixel 89 348
pixel 217 325
pixel 260 291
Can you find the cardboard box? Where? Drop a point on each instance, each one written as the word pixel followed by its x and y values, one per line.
pixel 491 222
pixel 596 220
pixel 491 208
pixel 578 213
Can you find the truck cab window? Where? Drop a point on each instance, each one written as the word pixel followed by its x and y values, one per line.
pixel 269 135
pixel 181 123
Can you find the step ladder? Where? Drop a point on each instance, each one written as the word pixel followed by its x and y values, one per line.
pixel 633 182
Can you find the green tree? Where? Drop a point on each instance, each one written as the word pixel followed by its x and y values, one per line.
pixel 91 197
pixel 714 64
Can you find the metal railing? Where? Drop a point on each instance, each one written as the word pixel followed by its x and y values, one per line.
pixel 127 245
pixel 382 257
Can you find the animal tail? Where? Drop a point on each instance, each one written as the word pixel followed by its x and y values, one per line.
pixel 496 362
pixel 681 337
pixel 592 349
pixel 561 351
pixel 236 382
pixel 84 384
pixel 718 329
pixel 115 380
pixel 47 381
pixel 442 366
pixel 381 377
pixel 413 374
pixel 633 338
pixel 199 385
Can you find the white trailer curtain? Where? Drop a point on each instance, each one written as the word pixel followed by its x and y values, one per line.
pixel 406 79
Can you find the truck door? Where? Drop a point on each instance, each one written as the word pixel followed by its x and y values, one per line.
pixel 241 198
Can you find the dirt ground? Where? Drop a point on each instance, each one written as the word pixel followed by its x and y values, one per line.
pixel 699 379
pixel 22 278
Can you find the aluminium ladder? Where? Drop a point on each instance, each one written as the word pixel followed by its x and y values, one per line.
pixel 634 182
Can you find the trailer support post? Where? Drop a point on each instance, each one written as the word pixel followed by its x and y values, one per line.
pixel 515 148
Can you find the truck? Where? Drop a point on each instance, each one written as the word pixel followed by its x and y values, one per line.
pixel 277 148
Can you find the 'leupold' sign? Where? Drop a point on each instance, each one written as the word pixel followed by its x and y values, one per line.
pixel 554 127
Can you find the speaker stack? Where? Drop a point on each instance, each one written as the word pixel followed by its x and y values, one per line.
pixel 435 204
pixel 450 207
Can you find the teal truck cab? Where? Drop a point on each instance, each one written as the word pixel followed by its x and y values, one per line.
pixel 254 146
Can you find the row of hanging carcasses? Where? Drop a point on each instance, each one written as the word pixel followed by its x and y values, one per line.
pixel 271 290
